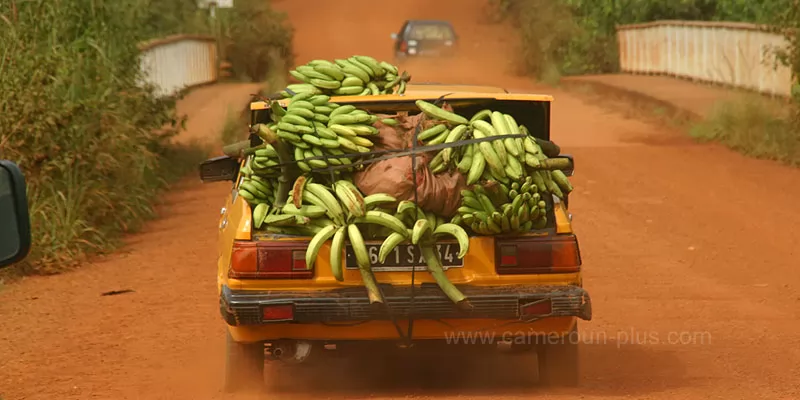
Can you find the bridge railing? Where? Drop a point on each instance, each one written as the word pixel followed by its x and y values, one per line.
pixel 178 62
pixel 735 54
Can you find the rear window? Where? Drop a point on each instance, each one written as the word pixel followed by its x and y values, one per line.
pixel 430 32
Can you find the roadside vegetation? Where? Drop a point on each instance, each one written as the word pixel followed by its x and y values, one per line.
pixel 96 147
pixel 573 37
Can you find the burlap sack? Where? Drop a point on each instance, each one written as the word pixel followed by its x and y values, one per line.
pixel 440 194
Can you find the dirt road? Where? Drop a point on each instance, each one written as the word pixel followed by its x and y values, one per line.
pixel 688 251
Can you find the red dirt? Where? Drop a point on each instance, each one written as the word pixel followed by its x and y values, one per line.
pixel 677 237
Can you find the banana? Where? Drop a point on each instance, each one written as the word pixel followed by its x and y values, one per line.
pixel 333 72
pixel 472 203
pixel 373 64
pixel 391 242
pixel 325 84
pixel 294 119
pixel 455 135
pixel 433 111
pixel 311 73
pixel 477 168
pixel 320 100
pixel 389 121
pixel 297 190
pixel 435 269
pixel 280 219
pixel 513 168
pixel 355 61
pixel 311 139
pixel 349 90
pixel 466 161
pixel 347 144
pixel 326 133
pixel 347 109
pixel 505 224
pixel 310 211
pixel 406 206
pixel 300 103
pixel 515 130
pixel 531 146
pixel 342 130
pixel 481 115
pixel 488 152
pixel 432 132
pixel 362 129
pixel 384 219
pixel 300 77
pixel 373 88
pixel 362 258
pixel 320 62
pixel 321 118
pixel 337 244
pixel 356 71
pixel 267 151
pixel 421 227
pixel 350 197
pixel 456 231
pixel 500 124
pixel 374 200
pixel 438 139
pixel 298 156
pixel 324 110
pixel 259 213
pixel 277 110
pixel 353 81
pixel 488 130
pixel 261 186
pixel 350 119
pixel 361 141
pixel 390 69
pixel 316 244
pixel 335 211
pixel 561 180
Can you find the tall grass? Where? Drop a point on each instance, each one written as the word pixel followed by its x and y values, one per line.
pixel 94 146
pixel 754 126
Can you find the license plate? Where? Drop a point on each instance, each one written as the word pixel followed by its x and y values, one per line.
pixel 404 257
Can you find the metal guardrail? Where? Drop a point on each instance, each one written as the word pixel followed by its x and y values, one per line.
pixel 734 54
pixel 178 62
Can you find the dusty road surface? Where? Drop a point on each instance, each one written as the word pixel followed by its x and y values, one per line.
pixel 689 252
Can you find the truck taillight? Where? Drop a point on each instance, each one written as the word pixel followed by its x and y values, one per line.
pixel 403 46
pixel 269 260
pixel 537 255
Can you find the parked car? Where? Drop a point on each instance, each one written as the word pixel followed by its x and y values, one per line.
pixel 425 38
pixel 15 231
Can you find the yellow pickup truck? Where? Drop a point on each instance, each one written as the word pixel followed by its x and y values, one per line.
pixel 526 290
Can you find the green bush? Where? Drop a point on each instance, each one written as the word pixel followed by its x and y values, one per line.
pixel 94 146
pixel 754 126
pixel 257 40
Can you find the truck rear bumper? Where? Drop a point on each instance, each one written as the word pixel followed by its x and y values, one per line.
pixel 516 302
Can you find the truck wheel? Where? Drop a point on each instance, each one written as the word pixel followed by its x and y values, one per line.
pixel 244 365
pixel 558 361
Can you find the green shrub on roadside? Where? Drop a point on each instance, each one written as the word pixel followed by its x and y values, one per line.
pixel 257 40
pixel 94 146
pixel 754 126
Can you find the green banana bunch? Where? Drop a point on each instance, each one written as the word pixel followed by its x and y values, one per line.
pixel 357 75
pixel 320 132
pixel 503 209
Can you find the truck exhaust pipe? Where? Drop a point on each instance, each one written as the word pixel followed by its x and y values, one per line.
pixel 291 351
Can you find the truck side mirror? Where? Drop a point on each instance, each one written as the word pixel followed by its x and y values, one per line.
pixel 394 36
pixel 15 229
